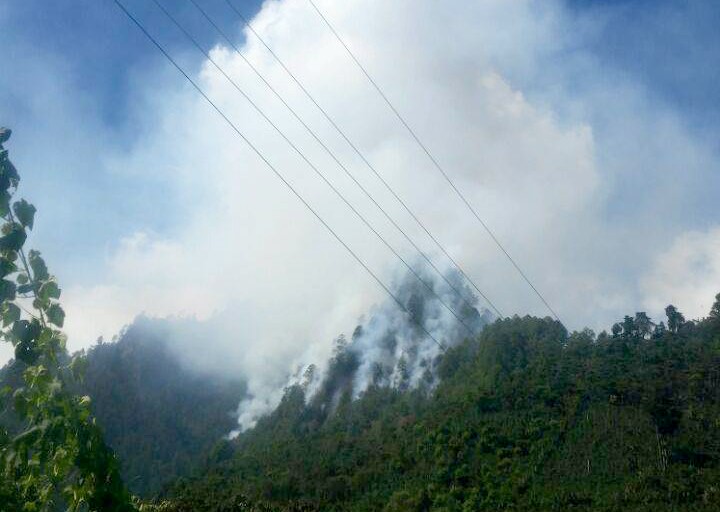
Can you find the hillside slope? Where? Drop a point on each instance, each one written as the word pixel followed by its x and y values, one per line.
pixel 158 416
pixel 525 417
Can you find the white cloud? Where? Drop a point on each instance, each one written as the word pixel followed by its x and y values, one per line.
pixel 247 241
pixel 686 274
pixel 549 170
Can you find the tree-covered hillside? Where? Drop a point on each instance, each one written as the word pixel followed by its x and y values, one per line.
pixel 159 417
pixel 524 417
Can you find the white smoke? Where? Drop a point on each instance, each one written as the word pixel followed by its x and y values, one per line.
pixel 583 177
pixel 390 347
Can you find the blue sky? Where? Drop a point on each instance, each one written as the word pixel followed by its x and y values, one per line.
pixel 96 45
pixel 87 53
pixel 83 91
pixel 672 47
pixel 671 51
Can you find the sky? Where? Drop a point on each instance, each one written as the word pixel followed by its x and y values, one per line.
pixel 584 132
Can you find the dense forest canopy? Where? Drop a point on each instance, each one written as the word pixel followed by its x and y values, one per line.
pixel 158 416
pixel 525 417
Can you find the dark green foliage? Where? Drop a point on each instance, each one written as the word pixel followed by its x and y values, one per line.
pixel 159 417
pixel 675 318
pixel 715 311
pixel 25 213
pixel 526 417
pixel 55 456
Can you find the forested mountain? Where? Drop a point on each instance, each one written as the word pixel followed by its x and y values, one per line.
pixel 525 416
pixel 160 417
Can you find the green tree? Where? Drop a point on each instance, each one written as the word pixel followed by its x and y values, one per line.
pixel 617 330
pixel 660 330
pixel 643 324
pixel 715 310
pixel 628 326
pixel 675 318
pixel 60 459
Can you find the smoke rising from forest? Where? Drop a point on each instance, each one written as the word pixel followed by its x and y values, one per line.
pixel 385 347
pixel 567 175
pixel 389 347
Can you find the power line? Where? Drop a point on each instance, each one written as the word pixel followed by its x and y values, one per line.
pixel 275 171
pixel 432 159
pixel 330 152
pixel 364 159
pixel 308 162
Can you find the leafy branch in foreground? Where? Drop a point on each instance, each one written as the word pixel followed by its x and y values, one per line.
pixel 60 459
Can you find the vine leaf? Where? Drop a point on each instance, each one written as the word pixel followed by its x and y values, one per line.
pixel 8 290
pixel 25 213
pixel 77 366
pixel 25 331
pixel 38 266
pixel 56 315
pixel 5 134
pixel 8 174
pixel 26 352
pixel 25 288
pixel 49 290
pixel 4 201
pixel 6 267
pixel 10 314
pixel 20 401
pixel 14 237
pixel 61 455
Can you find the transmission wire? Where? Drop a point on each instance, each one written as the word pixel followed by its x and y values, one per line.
pixel 331 153
pixel 310 164
pixel 433 160
pixel 354 147
pixel 274 170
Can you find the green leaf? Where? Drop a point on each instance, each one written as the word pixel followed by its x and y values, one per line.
pixel 25 352
pixel 8 290
pixel 20 401
pixel 25 331
pixel 10 314
pixel 25 288
pixel 25 213
pixel 38 266
pixel 6 267
pixel 77 367
pixel 9 176
pixel 4 201
pixel 31 434
pixel 5 134
pixel 49 290
pixel 56 315
pixel 40 304
pixel 14 237
pixel 22 279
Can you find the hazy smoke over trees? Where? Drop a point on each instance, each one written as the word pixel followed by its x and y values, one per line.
pixel 389 347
